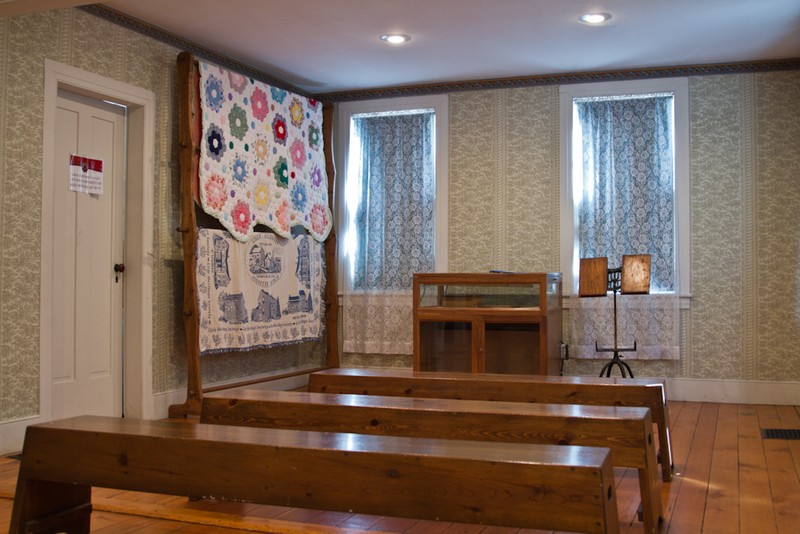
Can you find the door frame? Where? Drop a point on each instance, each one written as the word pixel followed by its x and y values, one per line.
pixel 138 245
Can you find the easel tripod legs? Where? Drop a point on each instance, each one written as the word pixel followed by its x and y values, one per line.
pixel 616 360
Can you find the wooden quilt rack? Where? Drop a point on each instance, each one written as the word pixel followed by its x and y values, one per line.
pixel 190 132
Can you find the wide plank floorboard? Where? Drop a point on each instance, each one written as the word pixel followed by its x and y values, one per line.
pixel 722 498
pixel 782 474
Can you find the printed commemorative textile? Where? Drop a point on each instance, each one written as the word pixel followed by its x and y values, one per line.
pixel 261 157
pixel 258 294
pixel 653 321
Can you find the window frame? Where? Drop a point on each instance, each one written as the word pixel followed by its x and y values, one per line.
pixel 679 87
pixel 344 112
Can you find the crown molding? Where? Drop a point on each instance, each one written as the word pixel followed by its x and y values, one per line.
pixel 565 78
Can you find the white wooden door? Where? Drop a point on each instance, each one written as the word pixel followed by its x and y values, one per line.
pixel 87 243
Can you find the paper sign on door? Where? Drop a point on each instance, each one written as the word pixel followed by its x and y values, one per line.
pixel 85 175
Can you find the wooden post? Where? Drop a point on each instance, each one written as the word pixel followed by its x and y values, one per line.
pixel 189 134
pixel 331 290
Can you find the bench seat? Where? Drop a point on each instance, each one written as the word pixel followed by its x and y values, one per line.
pixel 508 484
pixel 628 432
pixel 649 393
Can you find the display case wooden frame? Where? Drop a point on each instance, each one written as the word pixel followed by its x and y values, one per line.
pixel 487 322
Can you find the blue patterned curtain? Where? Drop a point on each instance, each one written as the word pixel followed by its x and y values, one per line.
pixel 390 206
pixel 390 200
pixel 627 203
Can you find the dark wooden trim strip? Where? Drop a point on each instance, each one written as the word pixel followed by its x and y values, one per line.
pixel 564 79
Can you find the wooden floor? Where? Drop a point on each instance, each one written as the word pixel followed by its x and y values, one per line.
pixel 728 480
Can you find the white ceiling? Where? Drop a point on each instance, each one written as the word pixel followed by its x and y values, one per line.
pixel 332 45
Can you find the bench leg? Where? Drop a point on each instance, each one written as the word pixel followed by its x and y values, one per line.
pixel 50 507
pixel 665 452
pixel 651 511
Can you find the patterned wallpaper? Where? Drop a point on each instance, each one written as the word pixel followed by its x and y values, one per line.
pixel 87 42
pixel 504 172
pixel 19 215
pixel 504 188
pixel 744 317
pixel 717 227
pixel 745 225
pixel 776 259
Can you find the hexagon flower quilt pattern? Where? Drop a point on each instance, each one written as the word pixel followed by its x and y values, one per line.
pixel 261 156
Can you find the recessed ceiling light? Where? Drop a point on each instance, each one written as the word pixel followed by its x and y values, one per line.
pixel 594 18
pixel 395 38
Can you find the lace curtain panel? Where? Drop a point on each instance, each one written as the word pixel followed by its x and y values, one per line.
pixel 626 206
pixel 627 202
pixel 653 321
pixel 378 323
pixel 390 194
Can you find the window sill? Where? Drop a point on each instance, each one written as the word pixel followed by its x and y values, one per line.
pixel 570 301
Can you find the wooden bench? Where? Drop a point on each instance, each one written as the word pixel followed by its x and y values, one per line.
pixel 628 432
pixel 649 393
pixel 507 484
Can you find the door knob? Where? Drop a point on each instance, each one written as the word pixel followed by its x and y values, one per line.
pixel 118 269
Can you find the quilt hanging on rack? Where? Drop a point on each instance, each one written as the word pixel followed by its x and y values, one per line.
pixel 259 294
pixel 261 157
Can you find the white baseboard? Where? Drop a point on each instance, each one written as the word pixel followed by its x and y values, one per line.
pixel 162 402
pixel 281 384
pixel 12 434
pixel 733 391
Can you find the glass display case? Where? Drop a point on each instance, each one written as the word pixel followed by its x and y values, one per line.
pixel 487 322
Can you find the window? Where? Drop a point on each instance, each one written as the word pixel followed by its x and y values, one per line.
pixel 625 177
pixel 390 208
pixel 390 185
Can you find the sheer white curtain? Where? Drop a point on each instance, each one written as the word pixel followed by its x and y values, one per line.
pixel 652 321
pixel 389 235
